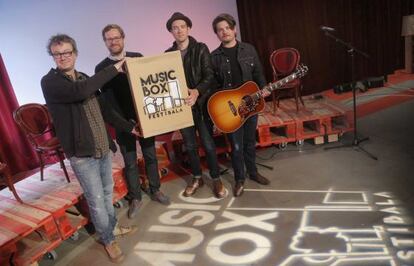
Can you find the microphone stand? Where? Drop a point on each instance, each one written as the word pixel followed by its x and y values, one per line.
pixel 356 141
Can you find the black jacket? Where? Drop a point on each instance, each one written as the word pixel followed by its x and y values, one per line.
pixel 64 99
pixel 250 65
pixel 117 93
pixel 198 69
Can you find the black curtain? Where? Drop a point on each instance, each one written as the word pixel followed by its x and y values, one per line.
pixel 373 26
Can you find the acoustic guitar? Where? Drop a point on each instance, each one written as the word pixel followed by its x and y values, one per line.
pixel 229 109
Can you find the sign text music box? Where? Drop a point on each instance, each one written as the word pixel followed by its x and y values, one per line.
pixel 158 88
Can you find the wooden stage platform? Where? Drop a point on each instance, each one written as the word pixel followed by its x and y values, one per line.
pixel 52 210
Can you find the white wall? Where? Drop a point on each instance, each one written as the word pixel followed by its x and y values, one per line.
pixel 26 26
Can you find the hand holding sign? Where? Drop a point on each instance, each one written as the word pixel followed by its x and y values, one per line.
pixel 192 97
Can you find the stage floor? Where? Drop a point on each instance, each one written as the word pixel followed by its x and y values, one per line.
pixel 336 207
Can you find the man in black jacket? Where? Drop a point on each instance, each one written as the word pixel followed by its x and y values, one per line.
pixel 117 92
pixel 79 123
pixel 234 63
pixel 199 77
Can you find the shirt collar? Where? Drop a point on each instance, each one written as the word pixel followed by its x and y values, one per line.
pixel 117 57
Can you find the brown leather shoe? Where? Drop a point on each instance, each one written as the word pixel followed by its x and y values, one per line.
pixel 193 186
pixel 114 252
pixel 218 188
pixel 260 179
pixel 238 188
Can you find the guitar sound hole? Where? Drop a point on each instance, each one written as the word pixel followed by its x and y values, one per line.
pixel 247 106
pixel 248 101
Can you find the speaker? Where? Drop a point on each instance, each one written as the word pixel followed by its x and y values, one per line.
pixel 362 85
pixel 338 89
pixel 376 82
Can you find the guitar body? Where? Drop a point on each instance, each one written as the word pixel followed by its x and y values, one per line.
pixel 224 107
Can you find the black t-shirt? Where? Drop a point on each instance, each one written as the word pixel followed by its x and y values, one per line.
pixel 236 74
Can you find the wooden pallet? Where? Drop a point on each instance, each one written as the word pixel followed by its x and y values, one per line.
pixel 317 120
pixel 275 128
pixel 26 233
pixel 54 195
pixel 53 210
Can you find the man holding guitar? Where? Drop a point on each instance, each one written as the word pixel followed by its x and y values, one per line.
pixel 235 63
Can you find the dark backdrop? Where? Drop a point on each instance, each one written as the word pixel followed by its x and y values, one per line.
pixel 373 26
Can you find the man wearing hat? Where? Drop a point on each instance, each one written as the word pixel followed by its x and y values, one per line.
pixel 200 77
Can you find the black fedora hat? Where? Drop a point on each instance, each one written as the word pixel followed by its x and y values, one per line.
pixel 178 16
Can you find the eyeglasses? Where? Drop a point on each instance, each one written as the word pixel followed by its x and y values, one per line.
pixel 114 39
pixel 62 55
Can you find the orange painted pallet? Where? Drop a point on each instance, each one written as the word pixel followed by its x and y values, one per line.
pixel 26 233
pixel 48 215
pixel 318 118
pixel 339 119
pixel 308 122
pixel 56 196
pixel 275 128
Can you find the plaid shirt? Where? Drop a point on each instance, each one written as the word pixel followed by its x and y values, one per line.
pixel 96 122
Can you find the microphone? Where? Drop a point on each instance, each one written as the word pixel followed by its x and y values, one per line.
pixel 325 28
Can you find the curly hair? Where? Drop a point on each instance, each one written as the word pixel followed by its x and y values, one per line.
pixel 61 38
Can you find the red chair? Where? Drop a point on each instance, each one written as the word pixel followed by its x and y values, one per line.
pixel 284 62
pixel 7 180
pixel 35 121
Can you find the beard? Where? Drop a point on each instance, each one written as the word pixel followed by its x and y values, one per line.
pixel 228 40
pixel 116 50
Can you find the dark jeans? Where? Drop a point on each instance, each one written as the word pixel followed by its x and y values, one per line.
pixel 127 144
pixel 243 149
pixel 191 145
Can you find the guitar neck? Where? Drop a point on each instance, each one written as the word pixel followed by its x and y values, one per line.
pixel 275 85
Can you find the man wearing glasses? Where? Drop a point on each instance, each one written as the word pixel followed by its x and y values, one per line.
pixel 117 92
pixel 78 117
pixel 199 76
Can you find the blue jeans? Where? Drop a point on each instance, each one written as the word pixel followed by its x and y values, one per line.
pixel 95 178
pixel 128 146
pixel 243 149
pixel 191 145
